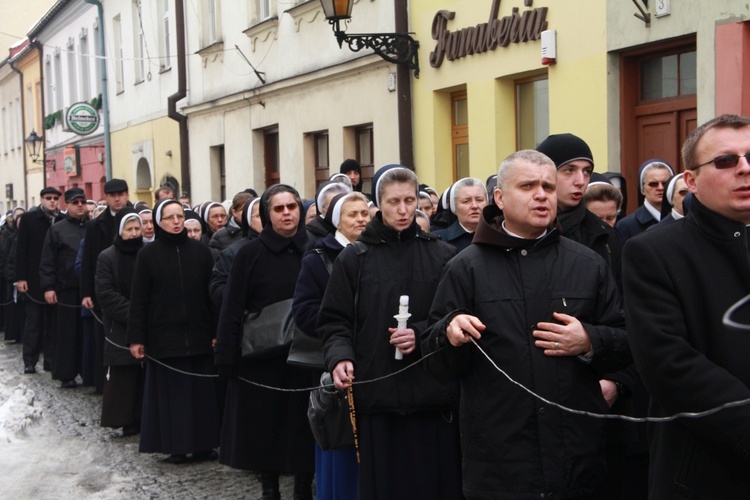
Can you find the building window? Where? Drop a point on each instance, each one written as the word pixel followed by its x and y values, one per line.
pixel 19 124
pixel 118 60
pixel 139 42
pixel 271 156
pixel 164 60
pixel 212 26
pixel 50 95
pixel 460 134
pixel 59 99
pixel 85 66
pixel 72 72
pixel 668 76
pixel 97 59
pixel 363 138
pixel 322 167
pixel 532 111
pixel 218 173
pixel 35 121
pixel 11 128
pixel 143 175
pixel 261 10
pixel 29 103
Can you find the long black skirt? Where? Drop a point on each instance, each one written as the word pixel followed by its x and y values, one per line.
pixel 266 430
pixel 409 457
pixel 179 411
pixel 122 403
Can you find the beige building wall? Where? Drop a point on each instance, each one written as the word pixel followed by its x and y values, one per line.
pixel 28 64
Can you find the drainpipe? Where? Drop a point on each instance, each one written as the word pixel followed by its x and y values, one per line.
pixel 180 94
pixel 403 86
pixel 105 91
pixel 23 136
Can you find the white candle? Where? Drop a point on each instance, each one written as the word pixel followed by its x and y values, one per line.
pixel 402 317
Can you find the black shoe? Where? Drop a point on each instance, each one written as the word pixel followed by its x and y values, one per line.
pixel 202 456
pixel 270 485
pixel 29 370
pixel 130 430
pixel 175 459
pixel 69 384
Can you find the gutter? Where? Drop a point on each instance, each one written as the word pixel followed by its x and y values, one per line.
pixel 105 90
pixel 181 94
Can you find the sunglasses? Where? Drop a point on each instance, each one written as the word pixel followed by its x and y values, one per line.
pixel 76 202
pixel 289 206
pixel 725 161
pixel 654 184
pixel 50 198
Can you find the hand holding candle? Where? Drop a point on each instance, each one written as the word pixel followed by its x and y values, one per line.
pixel 402 317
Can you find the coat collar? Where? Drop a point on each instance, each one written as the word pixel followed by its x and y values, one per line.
pixel 713 224
pixel 491 232
pixel 277 243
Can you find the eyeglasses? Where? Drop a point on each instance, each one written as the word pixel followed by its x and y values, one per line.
pixel 50 198
pixel 654 184
pixel 725 161
pixel 289 206
pixel 76 202
pixel 173 217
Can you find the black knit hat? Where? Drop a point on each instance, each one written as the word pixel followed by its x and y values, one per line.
pixel 349 165
pixel 564 148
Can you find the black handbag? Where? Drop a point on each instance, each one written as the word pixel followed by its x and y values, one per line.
pixel 307 351
pixel 328 414
pixel 268 331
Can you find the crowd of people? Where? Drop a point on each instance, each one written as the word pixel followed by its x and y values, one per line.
pixel 527 272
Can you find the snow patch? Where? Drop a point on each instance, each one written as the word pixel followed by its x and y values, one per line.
pixel 17 412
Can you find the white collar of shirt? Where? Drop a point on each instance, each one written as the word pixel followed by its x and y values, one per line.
pixel 521 237
pixel 653 211
pixel 676 215
pixel 342 239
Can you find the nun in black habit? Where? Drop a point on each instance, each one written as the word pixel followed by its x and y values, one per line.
pixel 266 430
pixel 172 321
pixel 123 385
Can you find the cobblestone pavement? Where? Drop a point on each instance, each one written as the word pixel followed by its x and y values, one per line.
pixel 66 454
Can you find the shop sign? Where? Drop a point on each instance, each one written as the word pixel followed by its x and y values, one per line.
pixel 70 161
pixel 82 118
pixel 515 28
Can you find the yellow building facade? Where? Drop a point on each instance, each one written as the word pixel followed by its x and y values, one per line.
pixel 484 92
pixel 146 155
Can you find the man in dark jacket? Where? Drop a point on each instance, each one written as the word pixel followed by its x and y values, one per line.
pixel 407 438
pixel 40 320
pixel 59 282
pixel 100 234
pixel 547 311
pixel 679 281
pixel 653 176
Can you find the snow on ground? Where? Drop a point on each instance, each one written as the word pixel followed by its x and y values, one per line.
pixel 52 447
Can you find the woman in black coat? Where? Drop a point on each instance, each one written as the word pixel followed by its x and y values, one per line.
pixel 123 387
pixel 266 430
pixel 172 322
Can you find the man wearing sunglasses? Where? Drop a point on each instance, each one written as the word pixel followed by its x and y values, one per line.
pixel 40 321
pixel 653 176
pixel 679 281
pixel 60 284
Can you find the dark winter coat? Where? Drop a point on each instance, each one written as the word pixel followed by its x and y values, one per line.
pixel 263 430
pixel 311 284
pixel 317 229
pixel 635 223
pixel 680 279
pixel 584 227
pixel 515 446
pixel 225 236
pixel 100 234
pixel 57 265
pixel 222 268
pixel 31 235
pixel 455 235
pixel 114 301
pixel 171 312
pixel 395 264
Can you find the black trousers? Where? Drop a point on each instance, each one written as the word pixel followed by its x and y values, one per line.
pixel 68 336
pixel 39 333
